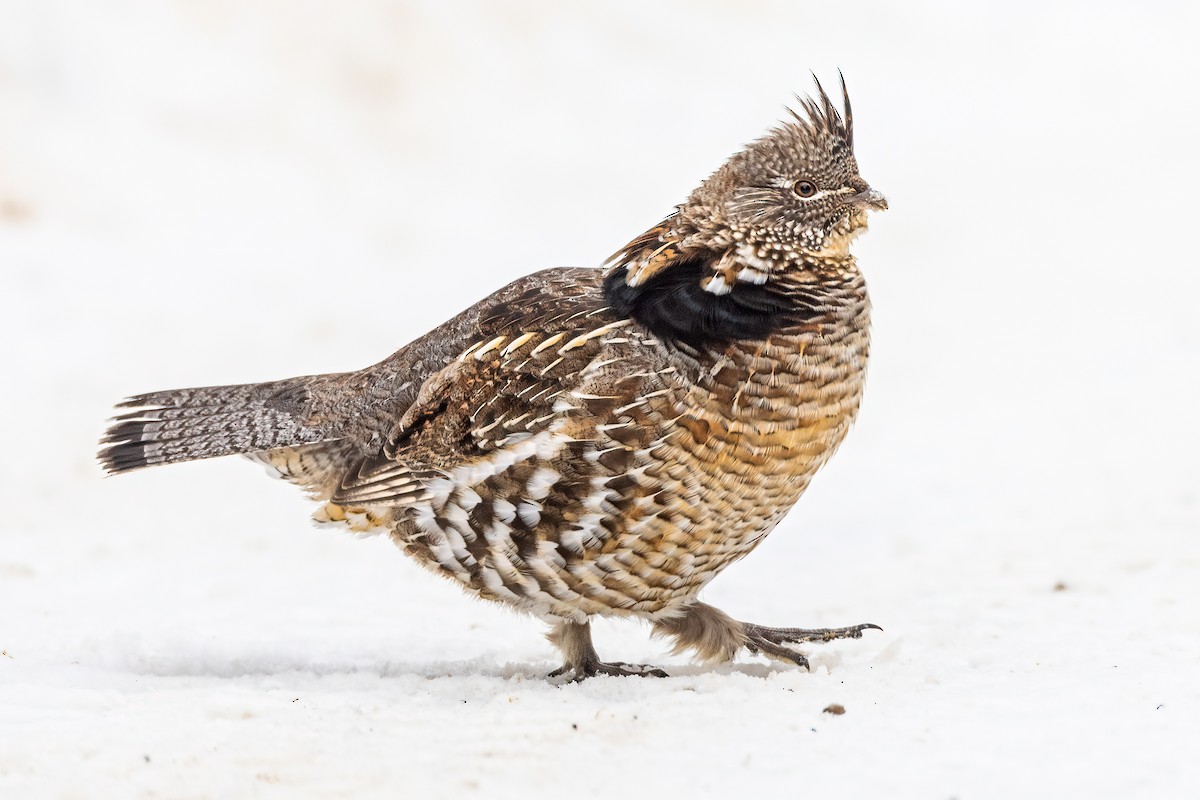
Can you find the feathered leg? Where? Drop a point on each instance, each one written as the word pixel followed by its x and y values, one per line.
pixel 715 636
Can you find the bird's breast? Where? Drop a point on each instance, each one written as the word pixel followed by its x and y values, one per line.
pixel 752 425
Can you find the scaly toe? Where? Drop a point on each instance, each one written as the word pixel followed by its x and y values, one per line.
pixel 615 668
pixel 778 652
pixel 797 635
pixel 639 670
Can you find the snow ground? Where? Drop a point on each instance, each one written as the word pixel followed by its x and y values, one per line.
pixel 216 192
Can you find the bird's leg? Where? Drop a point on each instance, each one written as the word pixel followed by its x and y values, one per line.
pixel 716 636
pixel 579 656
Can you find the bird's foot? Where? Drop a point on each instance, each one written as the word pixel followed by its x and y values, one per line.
pixel 580 672
pixel 780 643
pixel 580 659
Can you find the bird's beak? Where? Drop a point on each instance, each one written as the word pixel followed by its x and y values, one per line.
pixel 869 198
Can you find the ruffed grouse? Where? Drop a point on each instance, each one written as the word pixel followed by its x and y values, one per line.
pixel 594 441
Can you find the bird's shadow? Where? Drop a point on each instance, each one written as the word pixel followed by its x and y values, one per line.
pixel 261 665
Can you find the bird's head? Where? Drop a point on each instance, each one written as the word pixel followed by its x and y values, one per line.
pixel 795 192
pixel 779 214
pixel 791 199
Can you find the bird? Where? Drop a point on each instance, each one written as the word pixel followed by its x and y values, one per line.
pixel 598 441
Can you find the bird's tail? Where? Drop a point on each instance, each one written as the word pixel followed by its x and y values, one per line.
pixel 188 424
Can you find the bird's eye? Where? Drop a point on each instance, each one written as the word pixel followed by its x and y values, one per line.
pixel 805 188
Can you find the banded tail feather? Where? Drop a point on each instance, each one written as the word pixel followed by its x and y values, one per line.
pixel 189 424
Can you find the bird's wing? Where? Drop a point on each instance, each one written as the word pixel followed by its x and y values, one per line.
pixel 521 398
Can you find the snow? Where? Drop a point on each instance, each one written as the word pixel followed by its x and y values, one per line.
pixel 199 193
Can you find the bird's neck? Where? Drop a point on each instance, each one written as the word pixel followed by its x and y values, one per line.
pixel 681 303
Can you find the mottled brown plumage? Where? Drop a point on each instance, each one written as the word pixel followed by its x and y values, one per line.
pixel 594 442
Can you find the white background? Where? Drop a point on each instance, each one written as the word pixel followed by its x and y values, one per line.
pixel 213 192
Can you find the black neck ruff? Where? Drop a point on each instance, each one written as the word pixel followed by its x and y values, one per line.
pixel 675 307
